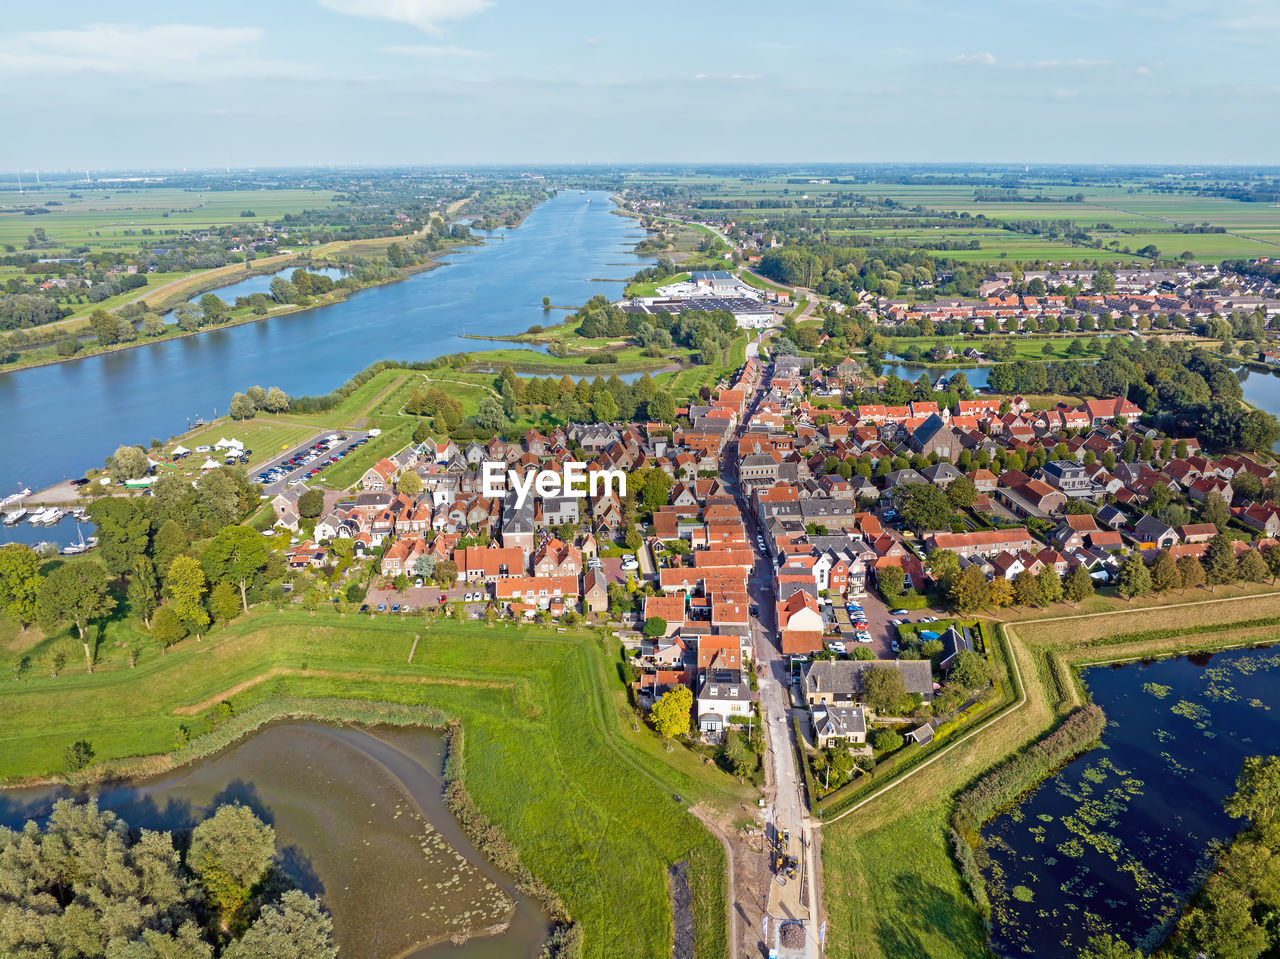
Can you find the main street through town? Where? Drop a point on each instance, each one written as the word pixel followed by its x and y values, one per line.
pixel 786 815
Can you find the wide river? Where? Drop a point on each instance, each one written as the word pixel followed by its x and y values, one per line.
pixel 57 421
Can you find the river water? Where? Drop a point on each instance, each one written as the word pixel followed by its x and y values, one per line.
pixel 1120 838
pixel 262 284
pixel 360 822
pixel 58 420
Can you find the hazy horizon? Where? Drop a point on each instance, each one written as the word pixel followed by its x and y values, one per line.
pixel 474 82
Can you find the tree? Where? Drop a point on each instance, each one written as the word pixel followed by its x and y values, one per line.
pixel 944 566
pixel 1190 572
pixel 604 407
pixel 143 589
pixel 662 407
pixel 1252 568
pixel 1050 585
pixel 924 507
pixel 409 483
pixel 1257 795
pixel 655 626
pixel 1220 559
pixel 130 462
pixel 223 602
pixel 969 590
pixel 296 928
pixel 891 580
pixel 886 740
pixel 1216 511
pixel 311 504
pixel 1164 573
pixel 124 531
pixel 236 555
pixel 1026 589
pixel 185 584
pixel 490 416
pixel 883 689
pixel 1134 579
pixel 1108 947
pixel 277 400
pixel 446 573
pixel 230 853
pixel 961 493
pixel 970 670
pixel 77 756
pixel 242 407
pixel 19 583
pixel 1000 592
pixel 75 593
pixel 167 627
pixel 670 714
pixel 1078 586
pixel 1271 555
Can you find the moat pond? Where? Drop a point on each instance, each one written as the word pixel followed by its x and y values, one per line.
pixel 360 822
pixel 1122 836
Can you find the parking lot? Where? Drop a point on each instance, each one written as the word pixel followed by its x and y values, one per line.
pixel 308 459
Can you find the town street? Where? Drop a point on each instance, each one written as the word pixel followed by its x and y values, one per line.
pixel 784 797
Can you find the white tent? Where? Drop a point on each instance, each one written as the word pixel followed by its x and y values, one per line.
pixel 151 462
pixel 209 464
pixel 225 444
pixel 180 450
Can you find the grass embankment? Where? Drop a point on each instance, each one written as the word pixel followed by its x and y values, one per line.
pixel 588 805
pixel 899 891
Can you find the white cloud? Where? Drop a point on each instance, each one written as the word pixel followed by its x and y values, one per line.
pixel 426 15
pixel 980 59
pixel 428 51
pixel 175 51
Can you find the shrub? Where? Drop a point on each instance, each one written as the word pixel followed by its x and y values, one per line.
pixel 886 740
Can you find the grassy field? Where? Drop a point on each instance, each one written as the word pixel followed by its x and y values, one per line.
pixel 549 759
pixel 1130 212
pixel 892 888
pixel 106 217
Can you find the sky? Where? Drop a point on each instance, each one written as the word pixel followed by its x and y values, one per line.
pixel 152 85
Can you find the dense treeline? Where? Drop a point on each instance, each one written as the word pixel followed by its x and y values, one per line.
pixel 86 886
pixel 1186 391
pixel 707 333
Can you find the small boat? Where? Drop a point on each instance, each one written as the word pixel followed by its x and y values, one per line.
pixel 51 516
pixel 12 517
pixel 37 516
pixel 80 514
pixel 73 549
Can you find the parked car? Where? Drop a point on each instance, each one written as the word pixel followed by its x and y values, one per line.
pixel 417 583
pixel 382 607
pixel 629 561
pixel 898 612
pixel 364 608
pixel 894 645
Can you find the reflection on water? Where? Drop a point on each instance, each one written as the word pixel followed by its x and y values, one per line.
pixel 360 821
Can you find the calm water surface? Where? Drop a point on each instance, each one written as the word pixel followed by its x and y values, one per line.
pixel 56 421
pixel 262 284
pixel 1122 836
pixel 359 822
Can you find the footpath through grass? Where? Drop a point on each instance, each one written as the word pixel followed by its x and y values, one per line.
pixel 590 808
pixel 892 886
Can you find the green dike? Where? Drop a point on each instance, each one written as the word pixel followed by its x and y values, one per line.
pixel 586 801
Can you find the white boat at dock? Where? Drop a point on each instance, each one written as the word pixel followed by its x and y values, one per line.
pixel 15 498
pixel 37 516
pixel 12 517
pixel 47 516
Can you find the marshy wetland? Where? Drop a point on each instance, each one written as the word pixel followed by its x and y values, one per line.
pixel 1120 838
pixel 360 822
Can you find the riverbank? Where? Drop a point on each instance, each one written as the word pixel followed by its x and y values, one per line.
pixel 339 295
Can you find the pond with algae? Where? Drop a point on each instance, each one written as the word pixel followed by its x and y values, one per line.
pixel 360 822
pixel 1120 838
